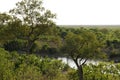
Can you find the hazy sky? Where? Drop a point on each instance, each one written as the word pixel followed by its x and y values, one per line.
pixel 78 12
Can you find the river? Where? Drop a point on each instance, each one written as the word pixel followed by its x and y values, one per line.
pixel 72 64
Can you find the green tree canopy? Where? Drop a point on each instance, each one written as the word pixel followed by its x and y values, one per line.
pixel 81 48
pixel 29 21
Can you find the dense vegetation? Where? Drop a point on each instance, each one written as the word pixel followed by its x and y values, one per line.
pixel 14 66
pixel 30 44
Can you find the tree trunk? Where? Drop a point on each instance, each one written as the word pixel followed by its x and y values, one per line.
pixel 80 72
pixel 29 46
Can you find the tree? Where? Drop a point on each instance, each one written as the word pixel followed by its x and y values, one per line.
pixel 81 48
pixel 35 19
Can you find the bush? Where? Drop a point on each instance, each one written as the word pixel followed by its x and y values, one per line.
pixel 16 66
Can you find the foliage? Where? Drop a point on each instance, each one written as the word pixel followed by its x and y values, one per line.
pixel 14 45
pixel 6 66
pixel 16 66
pixel 102 71
pixel 25 66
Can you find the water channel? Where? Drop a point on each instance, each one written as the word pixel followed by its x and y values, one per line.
pixel 72 64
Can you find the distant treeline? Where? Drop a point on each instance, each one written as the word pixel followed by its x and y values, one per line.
pixel 91 26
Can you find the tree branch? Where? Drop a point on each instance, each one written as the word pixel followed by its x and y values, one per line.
pixel 84 61
pixel 80 61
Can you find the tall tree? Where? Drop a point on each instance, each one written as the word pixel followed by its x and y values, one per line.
pixel 35 19
pixel 81 48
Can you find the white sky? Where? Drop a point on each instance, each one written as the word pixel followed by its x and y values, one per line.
pixel 78 12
